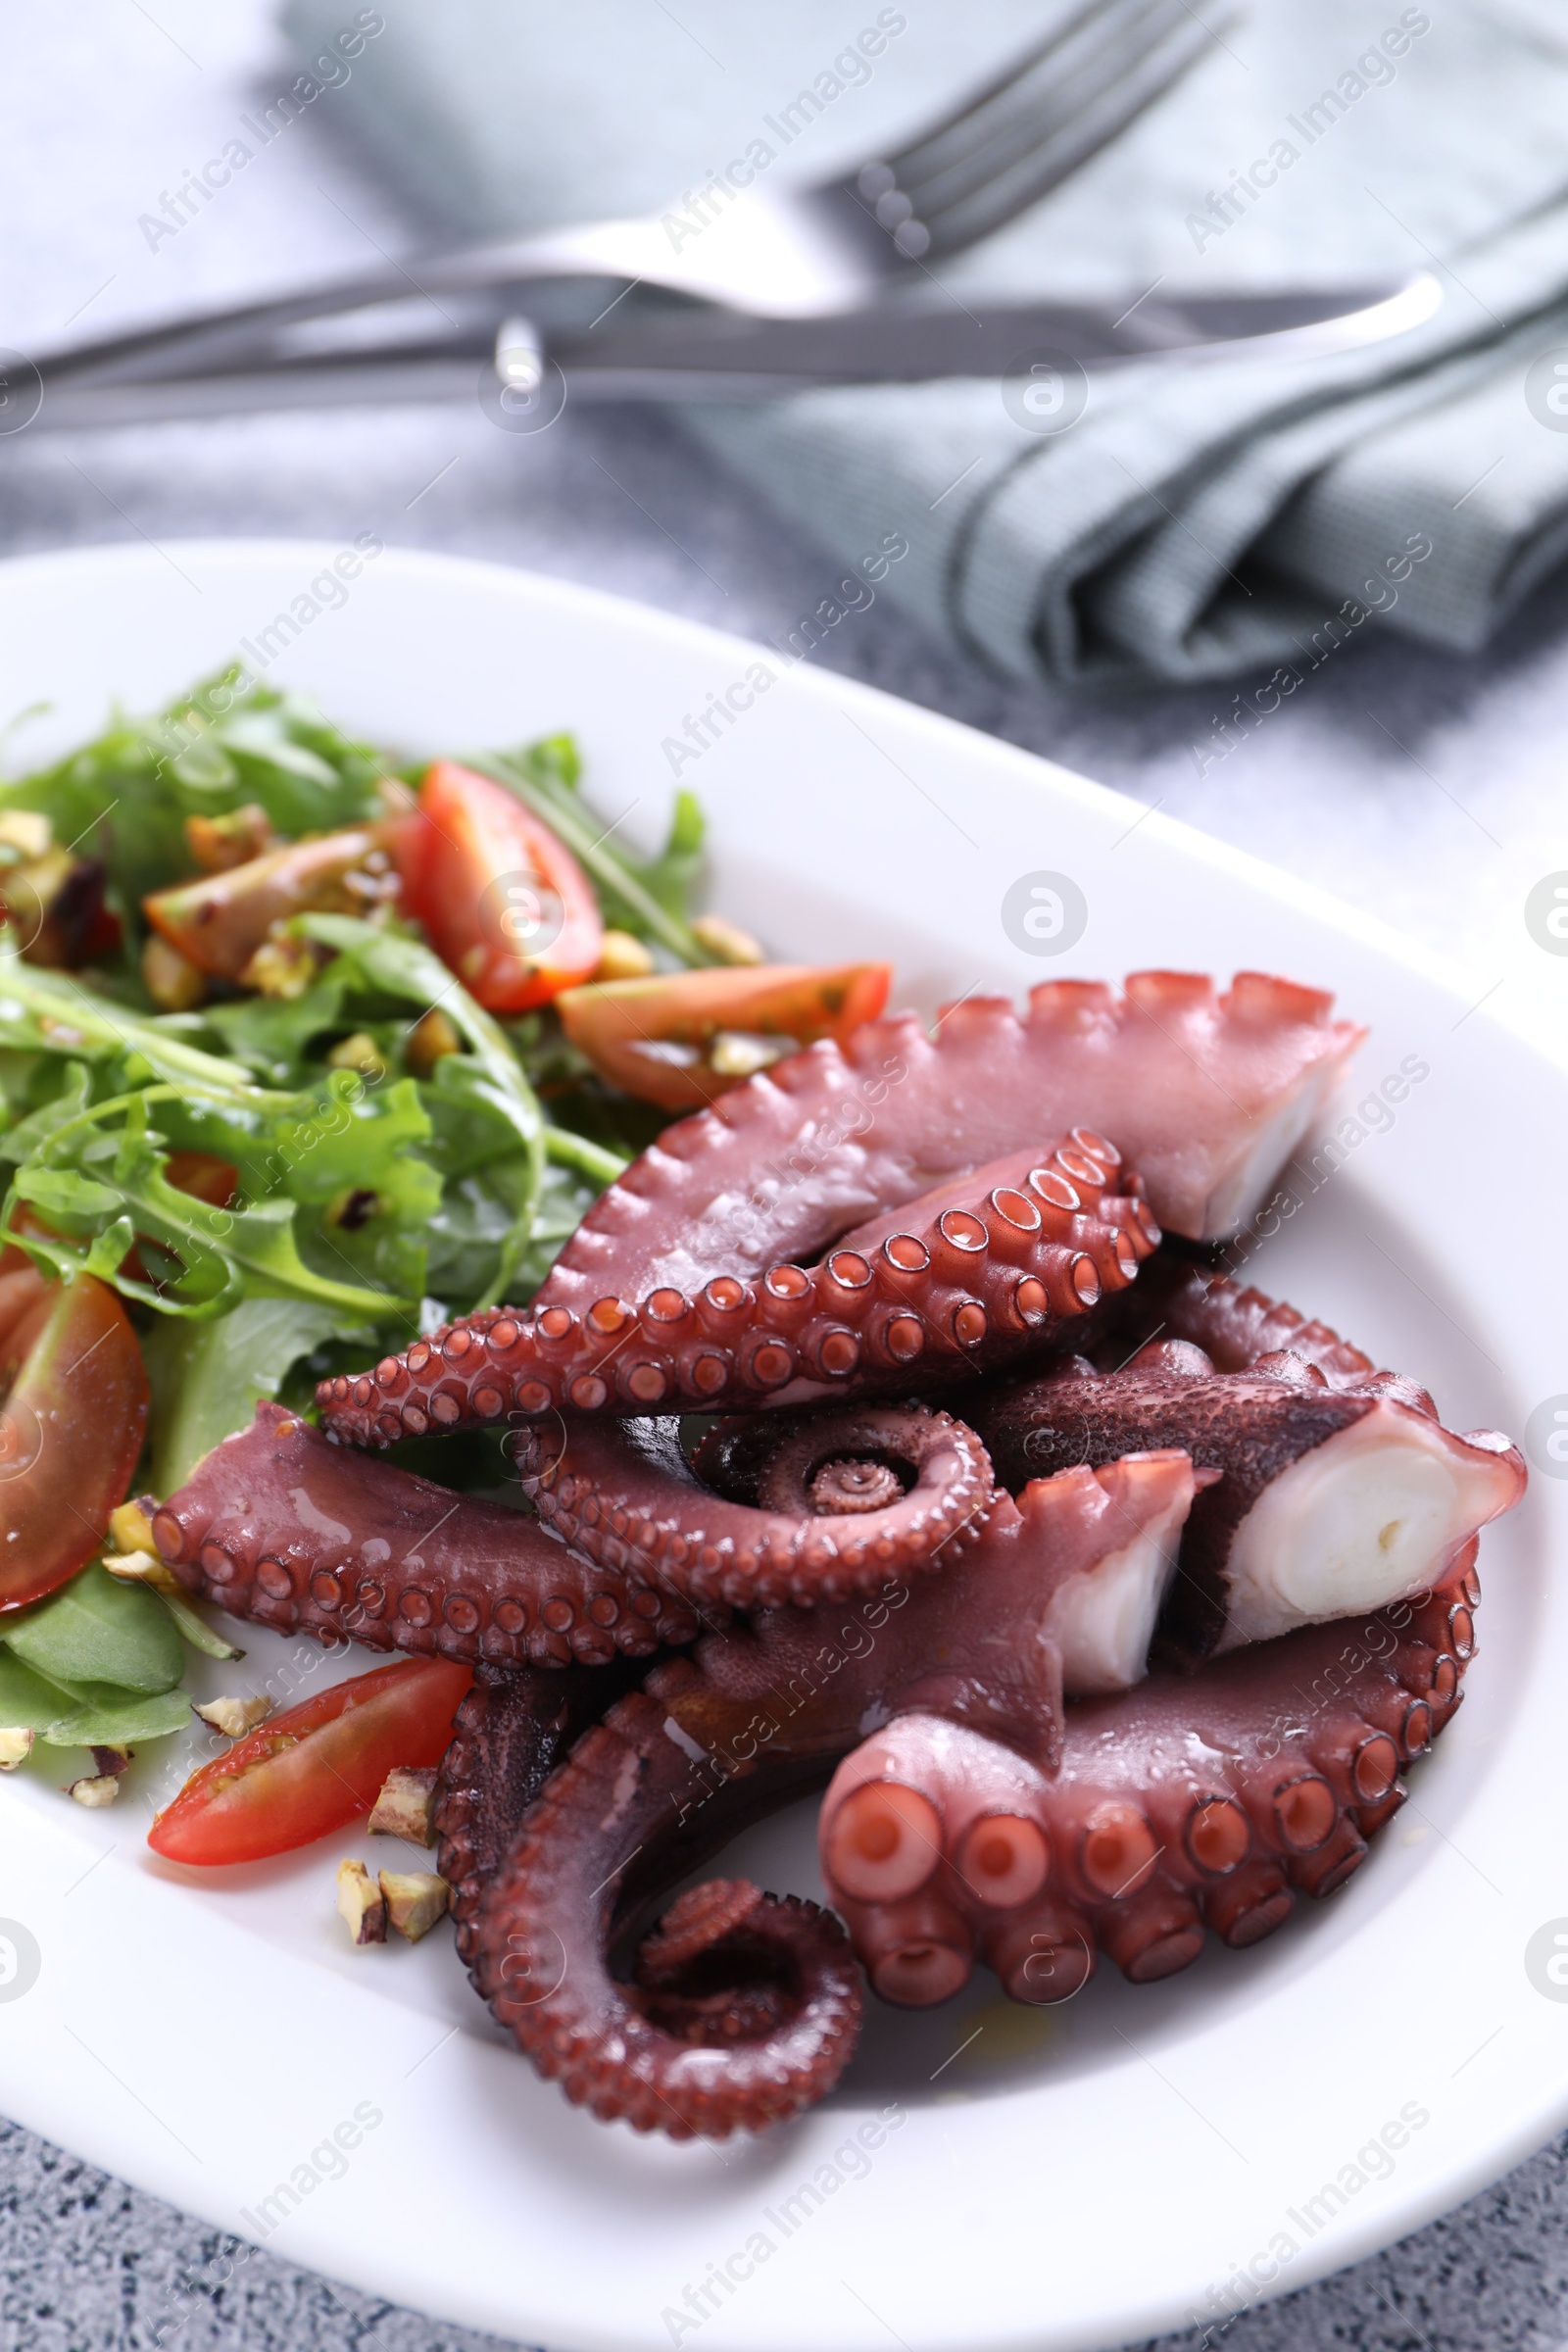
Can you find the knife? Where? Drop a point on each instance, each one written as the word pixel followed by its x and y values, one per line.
pixel 525 376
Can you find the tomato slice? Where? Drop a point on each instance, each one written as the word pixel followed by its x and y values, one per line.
pixel 682 1038
pixel 71 1430
pixel 503 903
pixel 219 920
pixel 315 1769
pixel 204 1176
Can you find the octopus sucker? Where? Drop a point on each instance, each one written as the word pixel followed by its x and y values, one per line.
pixel 1324 1500
pixel 1208 1799
pixel 1205 1094
pixel 738 2011
pixel 998 1263
pixel 830 1517
pixel 1185 1306
pixel 756 1715
pixel 1106 1602
pixel 516 1724
pixel 279 1524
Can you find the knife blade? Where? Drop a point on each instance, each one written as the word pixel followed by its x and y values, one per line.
pixel 710 355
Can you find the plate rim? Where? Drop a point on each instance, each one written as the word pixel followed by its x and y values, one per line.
pixel 1378 2225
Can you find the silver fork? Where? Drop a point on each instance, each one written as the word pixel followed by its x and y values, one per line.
pixel 777 252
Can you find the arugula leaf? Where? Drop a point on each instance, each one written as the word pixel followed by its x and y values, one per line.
pixel 207 1378
pixel 563 1203
pixel 494 1080
pixel 648 898
pixel 671 876
pixel 98 1630
pixel 99 1189
pixel 598 1167
pixel 51 1013
pixel 272 1036
pixel 124 797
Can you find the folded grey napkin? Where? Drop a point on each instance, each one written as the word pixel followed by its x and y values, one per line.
pixel 1195 521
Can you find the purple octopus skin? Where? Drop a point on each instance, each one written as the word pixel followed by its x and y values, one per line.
pixel 828 1514
pixel 995 1265
pixel 741 2008
pixel 1195 1800
pixel 663 1295
pixel 1208 1799
pixel 515 1726
pixel 1182 1302
pixel 759 1716
pixel 278 1525
pixel 1330 1500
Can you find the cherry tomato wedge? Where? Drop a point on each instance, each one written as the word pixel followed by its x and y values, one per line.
pixel 316 1768
pixel 682 1038
pixel 503 903
pixel 219 920
pixel 202 1175
pixel 71 1429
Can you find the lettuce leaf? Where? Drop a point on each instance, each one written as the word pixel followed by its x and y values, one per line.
pixel 208 1376
pixel 107 1717
pixel 98 1630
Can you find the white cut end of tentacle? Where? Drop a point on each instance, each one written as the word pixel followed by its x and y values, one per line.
pixel 1371 1516
pixel 1242 1189
pixel 1103 1619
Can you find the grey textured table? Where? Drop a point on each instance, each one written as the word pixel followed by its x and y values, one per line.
pixel 1428 790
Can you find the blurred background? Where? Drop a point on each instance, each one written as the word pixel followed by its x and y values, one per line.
pixel 1128 596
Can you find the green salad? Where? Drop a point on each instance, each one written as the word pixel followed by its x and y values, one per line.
pixel 253 1081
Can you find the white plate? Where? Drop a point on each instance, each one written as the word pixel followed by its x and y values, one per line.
pixel 1066 2179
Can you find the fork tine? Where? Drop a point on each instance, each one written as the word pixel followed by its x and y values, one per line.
pixel 906 159
pixel 1030 172
pixel 1018 117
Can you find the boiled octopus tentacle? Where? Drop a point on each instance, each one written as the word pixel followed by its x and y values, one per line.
pixel 515 1726
pixel 280 1525
pixel 998 1263
pixel 827 1515
pixel 1181 1302
pixel 1208 1094
pixel 1330 1500
pixel 1191 1801
pixel 742 2007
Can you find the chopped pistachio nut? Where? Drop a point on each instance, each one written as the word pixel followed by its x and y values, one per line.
pixel 33 887
pixel 431 1036
pixel 283 965
pixel 741 1053
pixel 405 1805
pixel 15 1748
pixel 131 1528
pixel 726 940
pixel 102 1790
pixel 623 957
pixel 415 1900
pixel 362 1903
pixel 235 1717
pixel 27 831
pixel 143 1568
pixel 358 1053
pixel 173 983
